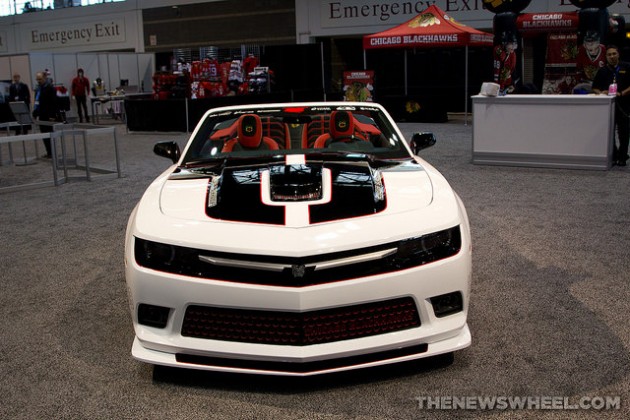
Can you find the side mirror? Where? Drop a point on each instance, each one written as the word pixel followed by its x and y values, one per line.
pixel 167 149
pixel 420 141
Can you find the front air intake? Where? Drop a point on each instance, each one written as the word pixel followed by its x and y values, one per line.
pixel 300 328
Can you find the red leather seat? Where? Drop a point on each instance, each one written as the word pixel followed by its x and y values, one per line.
pixel 249 136
pixel 277 131
pixel 314 129
pixel 341 128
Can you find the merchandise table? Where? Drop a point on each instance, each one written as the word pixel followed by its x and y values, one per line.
pixel 553 131
pixel 116 106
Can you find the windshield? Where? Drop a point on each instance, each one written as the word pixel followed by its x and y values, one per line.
pixel 259 131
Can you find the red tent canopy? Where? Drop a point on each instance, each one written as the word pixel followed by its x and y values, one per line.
pixel 431 28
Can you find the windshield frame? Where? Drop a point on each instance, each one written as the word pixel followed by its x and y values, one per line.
pixel 203 147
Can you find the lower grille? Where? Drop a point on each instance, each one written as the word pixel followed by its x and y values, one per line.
pixel 300 328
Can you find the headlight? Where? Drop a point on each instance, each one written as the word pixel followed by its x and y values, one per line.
pixel 165 257
pixel 428 248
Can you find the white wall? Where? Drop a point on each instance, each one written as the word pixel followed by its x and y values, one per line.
pixel 22 33
pixel 56 31
pixel 19 64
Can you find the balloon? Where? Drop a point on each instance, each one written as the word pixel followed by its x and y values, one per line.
pixel 585 4
pixel 593 21
pixel 500 6
pixel 504 28
pixel 617 24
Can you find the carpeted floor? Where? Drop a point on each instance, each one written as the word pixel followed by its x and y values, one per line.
pixel 550 308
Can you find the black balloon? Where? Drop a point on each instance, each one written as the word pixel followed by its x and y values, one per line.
pixel 617 24
pixel 501 6
pixel 504 28
pixel 585 4
pixel 593 21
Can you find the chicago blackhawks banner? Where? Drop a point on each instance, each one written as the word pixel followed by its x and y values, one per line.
pixel 561 74
pixel 358 85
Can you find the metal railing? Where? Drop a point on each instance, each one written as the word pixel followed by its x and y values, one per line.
pixel 64 156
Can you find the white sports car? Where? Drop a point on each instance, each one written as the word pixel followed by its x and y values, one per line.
pixel 297 239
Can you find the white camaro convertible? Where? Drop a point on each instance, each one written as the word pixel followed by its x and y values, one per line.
pixel 297 239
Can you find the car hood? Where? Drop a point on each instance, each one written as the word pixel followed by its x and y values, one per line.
pixel 297 195
pixel 358 204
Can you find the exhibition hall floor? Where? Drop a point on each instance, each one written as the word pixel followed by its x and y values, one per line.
pixel 549 315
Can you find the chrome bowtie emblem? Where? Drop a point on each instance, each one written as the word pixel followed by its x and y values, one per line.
pixel 298 270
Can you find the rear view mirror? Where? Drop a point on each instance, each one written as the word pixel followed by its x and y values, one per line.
pixel 167 149
pixel 420 141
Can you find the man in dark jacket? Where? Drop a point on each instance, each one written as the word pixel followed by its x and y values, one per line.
pixel 19 92
pixel 617 72
pixel 45 108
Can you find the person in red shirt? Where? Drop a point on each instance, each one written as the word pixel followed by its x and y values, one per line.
pixel 80 89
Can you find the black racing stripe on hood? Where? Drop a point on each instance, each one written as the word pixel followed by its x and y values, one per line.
pixel 239 199
pixel 353 195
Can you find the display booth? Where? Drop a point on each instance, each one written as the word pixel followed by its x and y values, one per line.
pixel 563 127
pixel 432 28
pixel 133 70
pixel 558 52
pixel 185 89
pixel 181 96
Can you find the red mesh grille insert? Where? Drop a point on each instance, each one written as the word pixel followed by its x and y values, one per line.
pixel 300 328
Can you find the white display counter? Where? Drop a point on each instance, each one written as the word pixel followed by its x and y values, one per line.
pixel 553 131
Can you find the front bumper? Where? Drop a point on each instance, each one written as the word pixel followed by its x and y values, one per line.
pixel 302 368
pixel 167 346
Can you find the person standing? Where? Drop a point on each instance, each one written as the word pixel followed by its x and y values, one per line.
pixel 80 89
pixel 45 108
pixel 19 92
pixel 617 72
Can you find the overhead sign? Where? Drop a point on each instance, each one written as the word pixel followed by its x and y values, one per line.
pixel 331 17
pixel 76 35
pixel 348 13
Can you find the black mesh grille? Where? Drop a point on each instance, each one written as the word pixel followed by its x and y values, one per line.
pixel 300 328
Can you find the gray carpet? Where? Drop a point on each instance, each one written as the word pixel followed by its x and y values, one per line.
pixel 549 311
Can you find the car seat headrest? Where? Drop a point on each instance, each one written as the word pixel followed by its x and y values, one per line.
pixel 341 124
pixel 249 131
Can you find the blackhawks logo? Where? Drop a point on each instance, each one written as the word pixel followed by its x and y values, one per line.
pixel 424 20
